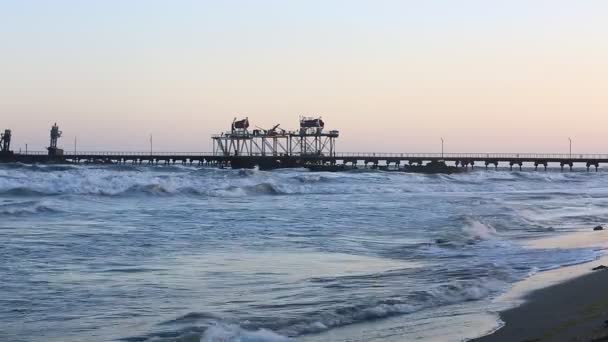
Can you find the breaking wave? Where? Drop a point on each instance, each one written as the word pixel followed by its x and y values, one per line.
pixel 476 230
pixel 471 231
pixel 257 189
pixel 113 180
pixel 272 329
pixel 234 333
pixel 25 208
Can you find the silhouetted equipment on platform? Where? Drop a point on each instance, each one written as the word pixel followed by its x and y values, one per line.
pixel 305 145
pixel 310 125
pixel 274 131
pixel 55 135
pixel 240 125
pixel 5 141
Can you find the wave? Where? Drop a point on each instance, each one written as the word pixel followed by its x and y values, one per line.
pixel 446 294
pixel 235 333
pixel 153 189
pixel 213 331
pixel 263 189
pixel 207 327
pixel 230 191
pixel 149 189
pixel 25 208
pixel 126 180
pixel 477 230
pixel 24 192
pixel 132 270
pixel 312 178
pixel 248 190
pixel 470 232
pixel 40 167
pixel 192 317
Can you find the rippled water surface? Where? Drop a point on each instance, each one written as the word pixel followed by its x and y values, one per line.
pixel 117 253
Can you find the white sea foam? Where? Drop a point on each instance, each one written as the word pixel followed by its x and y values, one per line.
pixel 234 333
pixel 95 180
pixel 479 231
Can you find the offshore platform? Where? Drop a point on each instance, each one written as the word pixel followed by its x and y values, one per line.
pixel 309 146
pixel 276 147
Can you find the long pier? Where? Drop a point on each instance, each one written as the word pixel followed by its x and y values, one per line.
pixel 352 160
pixel 309 146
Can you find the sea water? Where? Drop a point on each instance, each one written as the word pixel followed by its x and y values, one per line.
pixel 130 253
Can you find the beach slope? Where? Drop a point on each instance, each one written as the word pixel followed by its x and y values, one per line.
pixel 572 311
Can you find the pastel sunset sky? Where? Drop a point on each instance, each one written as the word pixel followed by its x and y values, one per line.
pixel 392 76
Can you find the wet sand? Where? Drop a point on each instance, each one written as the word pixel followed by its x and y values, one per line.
pixel 575 310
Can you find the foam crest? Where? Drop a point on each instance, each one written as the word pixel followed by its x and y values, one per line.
pixel 28 180
pixel 471 231
pixel 435 296
pixel 476 230
pixel 234 333
pixel 25 208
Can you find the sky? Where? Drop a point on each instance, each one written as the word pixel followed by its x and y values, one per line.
pixel 392 76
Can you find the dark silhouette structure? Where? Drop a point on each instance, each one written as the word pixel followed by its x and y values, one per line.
pixel 6 155
pixel 240 125
pixel 5 141
pixel 54 151
pixel 276 147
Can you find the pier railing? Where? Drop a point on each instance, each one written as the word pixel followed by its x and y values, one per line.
pixel 478 156
pixel 342 155
pixel 121 153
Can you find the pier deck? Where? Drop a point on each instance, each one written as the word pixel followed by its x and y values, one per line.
pixel 270 161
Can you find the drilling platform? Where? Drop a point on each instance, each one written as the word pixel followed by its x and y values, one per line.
pixel 275 147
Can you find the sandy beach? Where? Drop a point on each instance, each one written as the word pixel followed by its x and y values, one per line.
pixel 571 310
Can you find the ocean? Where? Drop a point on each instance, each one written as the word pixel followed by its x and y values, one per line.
pixel 176 253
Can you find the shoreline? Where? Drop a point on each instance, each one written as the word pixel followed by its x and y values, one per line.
pixel 519 314
pixel 572 311
pixel 565 304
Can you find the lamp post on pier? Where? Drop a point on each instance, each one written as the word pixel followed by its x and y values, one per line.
pixel 441 148
pixel 570 154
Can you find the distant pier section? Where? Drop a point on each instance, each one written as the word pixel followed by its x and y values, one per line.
pixel 310 146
